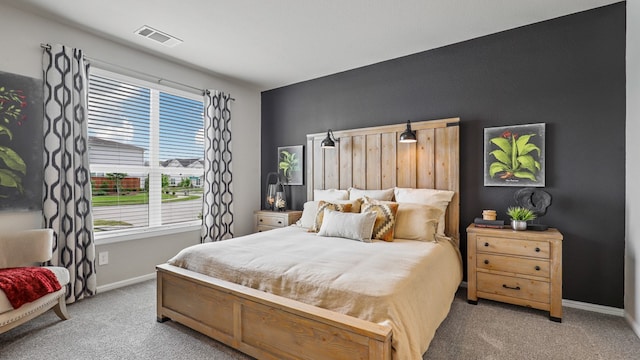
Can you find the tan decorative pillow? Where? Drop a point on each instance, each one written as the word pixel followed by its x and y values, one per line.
pixel 327 205
pixel 433 197
pixel 417 221
pixel 355 204
pixel 383 229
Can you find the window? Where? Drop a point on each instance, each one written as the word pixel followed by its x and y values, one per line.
pixel 145 154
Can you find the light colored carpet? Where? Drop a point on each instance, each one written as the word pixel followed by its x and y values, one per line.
pixel 121 324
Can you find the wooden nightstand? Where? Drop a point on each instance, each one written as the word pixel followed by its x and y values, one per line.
pixel 267 220
pixel 516 267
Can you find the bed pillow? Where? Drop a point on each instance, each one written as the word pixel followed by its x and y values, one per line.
pixel 330 195
pixel 308 218
pixel 348 225
pixel 417 221
pixel 433 197
pixel 327 205
pixel 383 229
pixel 386 195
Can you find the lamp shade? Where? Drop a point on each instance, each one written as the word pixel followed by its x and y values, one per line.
pixel 408 136
pixel 328 142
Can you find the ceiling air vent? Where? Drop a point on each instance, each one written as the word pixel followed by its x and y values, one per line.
pixel 158 36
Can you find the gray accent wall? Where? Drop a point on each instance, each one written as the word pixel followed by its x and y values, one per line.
pixel 567 72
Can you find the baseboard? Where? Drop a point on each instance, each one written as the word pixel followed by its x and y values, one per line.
pixel 593 307
pixel 589 307
pixel 634 325
pixel 123 283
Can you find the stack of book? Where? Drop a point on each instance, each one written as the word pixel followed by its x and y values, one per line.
pixel 495 224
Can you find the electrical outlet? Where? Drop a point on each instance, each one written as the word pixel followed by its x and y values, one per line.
pixel 103 258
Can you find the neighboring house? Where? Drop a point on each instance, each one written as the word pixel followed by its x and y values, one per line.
pixel 184 163
pixel 103 151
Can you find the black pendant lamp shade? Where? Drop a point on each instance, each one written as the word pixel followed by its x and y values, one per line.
pixel 408 136
pixel 329 142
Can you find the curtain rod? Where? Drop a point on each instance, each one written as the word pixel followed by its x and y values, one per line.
pixel 158 78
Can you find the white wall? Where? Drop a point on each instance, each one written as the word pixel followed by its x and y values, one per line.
pixel 632 253
pixel 21 54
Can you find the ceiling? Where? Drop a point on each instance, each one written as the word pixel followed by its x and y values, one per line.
pixel 274 43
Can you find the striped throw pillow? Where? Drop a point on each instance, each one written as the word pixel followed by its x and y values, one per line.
pixel 385 224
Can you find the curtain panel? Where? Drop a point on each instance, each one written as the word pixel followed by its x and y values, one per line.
pixel 217 212
pixel 67 181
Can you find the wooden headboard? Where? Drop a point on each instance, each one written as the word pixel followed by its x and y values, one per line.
pixel 373 158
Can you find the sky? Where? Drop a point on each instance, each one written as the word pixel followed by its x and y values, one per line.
pixel 122 112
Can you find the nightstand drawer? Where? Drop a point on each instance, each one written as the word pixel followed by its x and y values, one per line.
pixel 261 228
pixel 539 249
pixel 514 265
pixel 267 220
pixel 514 287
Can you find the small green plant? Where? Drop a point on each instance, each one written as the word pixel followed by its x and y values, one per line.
pixel 520 213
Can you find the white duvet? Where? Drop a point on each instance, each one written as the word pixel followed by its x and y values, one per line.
pixel 408 285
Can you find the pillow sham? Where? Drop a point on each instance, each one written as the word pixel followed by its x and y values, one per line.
pixel 320 212
pixel 330 195
pixel 348 225
pixel 383 229
pixel 386 194
pixel 433 197
pixel 417 222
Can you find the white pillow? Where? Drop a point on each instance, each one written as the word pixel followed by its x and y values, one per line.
pixel 308 218
pixel 330 195
pixel 386 195
pixel 433 197
pixel 356 226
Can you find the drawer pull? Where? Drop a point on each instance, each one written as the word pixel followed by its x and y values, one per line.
pixel 537 268
pixel 537 249
pixel 509 287
pixel 486 244
pixel 486 262
pixel 279 221
pixel 261 220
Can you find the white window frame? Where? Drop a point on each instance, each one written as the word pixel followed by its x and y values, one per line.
pixel 155 228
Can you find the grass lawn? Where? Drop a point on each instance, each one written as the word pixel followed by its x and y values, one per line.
pixel 136 199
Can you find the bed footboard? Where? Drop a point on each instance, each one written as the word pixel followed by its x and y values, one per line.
pixel 264 325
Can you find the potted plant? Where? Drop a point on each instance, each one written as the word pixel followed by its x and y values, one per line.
pixel 519 217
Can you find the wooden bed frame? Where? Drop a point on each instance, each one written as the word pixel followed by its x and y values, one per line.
pixel 267 326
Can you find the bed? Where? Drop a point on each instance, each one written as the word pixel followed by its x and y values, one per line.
pixel 277 314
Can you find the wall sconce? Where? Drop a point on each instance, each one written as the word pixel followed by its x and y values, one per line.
pixel 408 136
pixel 329 142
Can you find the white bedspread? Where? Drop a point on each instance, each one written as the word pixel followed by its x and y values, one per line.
pixel 408 285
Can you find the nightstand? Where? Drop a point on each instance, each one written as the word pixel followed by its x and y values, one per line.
pixel 267 220
pixel 517 267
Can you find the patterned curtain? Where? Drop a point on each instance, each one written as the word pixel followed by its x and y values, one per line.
pixel 67 183
pixel 217 212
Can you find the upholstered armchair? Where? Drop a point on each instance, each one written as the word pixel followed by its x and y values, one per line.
pixel 24 249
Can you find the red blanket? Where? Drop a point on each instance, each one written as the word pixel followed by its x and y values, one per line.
pixel 26 284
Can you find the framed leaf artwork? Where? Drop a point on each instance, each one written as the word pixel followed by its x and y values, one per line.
pixel 290 164
pixel 514 155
